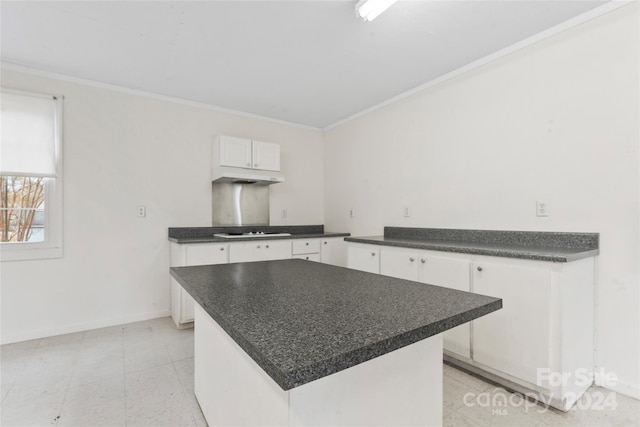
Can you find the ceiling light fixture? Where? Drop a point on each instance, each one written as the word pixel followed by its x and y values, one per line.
pixel 370 9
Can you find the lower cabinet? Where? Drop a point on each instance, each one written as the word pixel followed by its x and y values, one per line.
pixel 543 333
pixel 329 251
pixel 454 274
pixel 363 258
pixel 182 305
pixel 427 267
pixel 307 249
pixel 333 251
pixel 514 340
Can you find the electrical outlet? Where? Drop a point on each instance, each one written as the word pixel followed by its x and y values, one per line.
pixel 351 214
pixel 542 208
pixel 407 212
pixel 142 211
pixel 284 213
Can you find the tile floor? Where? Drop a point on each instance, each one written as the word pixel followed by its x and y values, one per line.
pixel 141 374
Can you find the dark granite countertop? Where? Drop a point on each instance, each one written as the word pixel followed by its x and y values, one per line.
pixel 540 246
pixel 301 320
pixel 184 235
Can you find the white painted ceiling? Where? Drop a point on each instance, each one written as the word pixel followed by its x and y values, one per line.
pixel 306 62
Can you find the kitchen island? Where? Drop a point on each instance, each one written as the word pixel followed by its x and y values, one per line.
pixel 294 342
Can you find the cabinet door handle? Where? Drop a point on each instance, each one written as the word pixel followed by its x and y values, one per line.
pixel 423 260
pixel 258 246
pixel 412 259
pixel 307 243
pixel 249 164
pixel 479 268
pixel 325 242
pixel 307 257
pixel 222 249
pixel 255 165
pixel 267 246
pixel 373 254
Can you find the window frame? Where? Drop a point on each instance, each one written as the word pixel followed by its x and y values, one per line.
pixel 52 246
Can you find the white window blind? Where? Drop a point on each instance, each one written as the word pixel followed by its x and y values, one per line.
pixel 28 134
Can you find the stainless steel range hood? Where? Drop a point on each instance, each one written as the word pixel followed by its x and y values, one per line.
pixel 231 175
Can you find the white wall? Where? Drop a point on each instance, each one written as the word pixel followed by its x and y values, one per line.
pixel 557 121
pixel 121 151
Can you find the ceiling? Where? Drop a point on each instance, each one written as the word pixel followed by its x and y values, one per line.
pixel 306 62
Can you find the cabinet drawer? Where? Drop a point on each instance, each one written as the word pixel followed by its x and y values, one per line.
pixel 309 257
pixel 306 246
pixel 259 251
pixel 204 254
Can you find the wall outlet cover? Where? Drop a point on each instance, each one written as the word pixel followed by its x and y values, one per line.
pixel 542 208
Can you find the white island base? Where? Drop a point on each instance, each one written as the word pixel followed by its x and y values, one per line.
pixel 401 388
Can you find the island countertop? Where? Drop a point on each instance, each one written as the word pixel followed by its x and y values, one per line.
pixel 301 320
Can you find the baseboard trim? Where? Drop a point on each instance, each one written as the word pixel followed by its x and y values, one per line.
pixel 620 387
pixel 79 327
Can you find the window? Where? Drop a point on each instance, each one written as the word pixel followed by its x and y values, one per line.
pixel 30 176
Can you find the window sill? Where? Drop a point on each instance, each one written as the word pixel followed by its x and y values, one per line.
pixel 26 252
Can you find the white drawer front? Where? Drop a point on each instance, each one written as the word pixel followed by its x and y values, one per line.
pixel 309 257
pixel 306 246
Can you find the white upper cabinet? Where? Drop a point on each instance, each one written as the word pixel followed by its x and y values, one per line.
pixel 246 153
pixel 266 156
pixel 234 152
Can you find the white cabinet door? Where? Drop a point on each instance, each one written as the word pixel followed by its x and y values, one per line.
pixel 399 263
pixel 259 251
pixel 245 251
pixel 182 304
pixel 234 152
pixel 334 251
pixel 514 340
pixel 204 254
pixel 266 156
pixel 454 274
pixel 277 249
pixel 363 258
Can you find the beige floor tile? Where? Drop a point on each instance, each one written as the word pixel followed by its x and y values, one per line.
pixel 455 419
pixel 95 404
pixel 454 393
pixel 141 374
pixel 66 340
pixel 98 363
pixel 498 407
pixel 598 407
pixel 155 397
pixel 180 346
pixel 184 369
pixel 38 410
pixel 472 381
pixel 13 359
